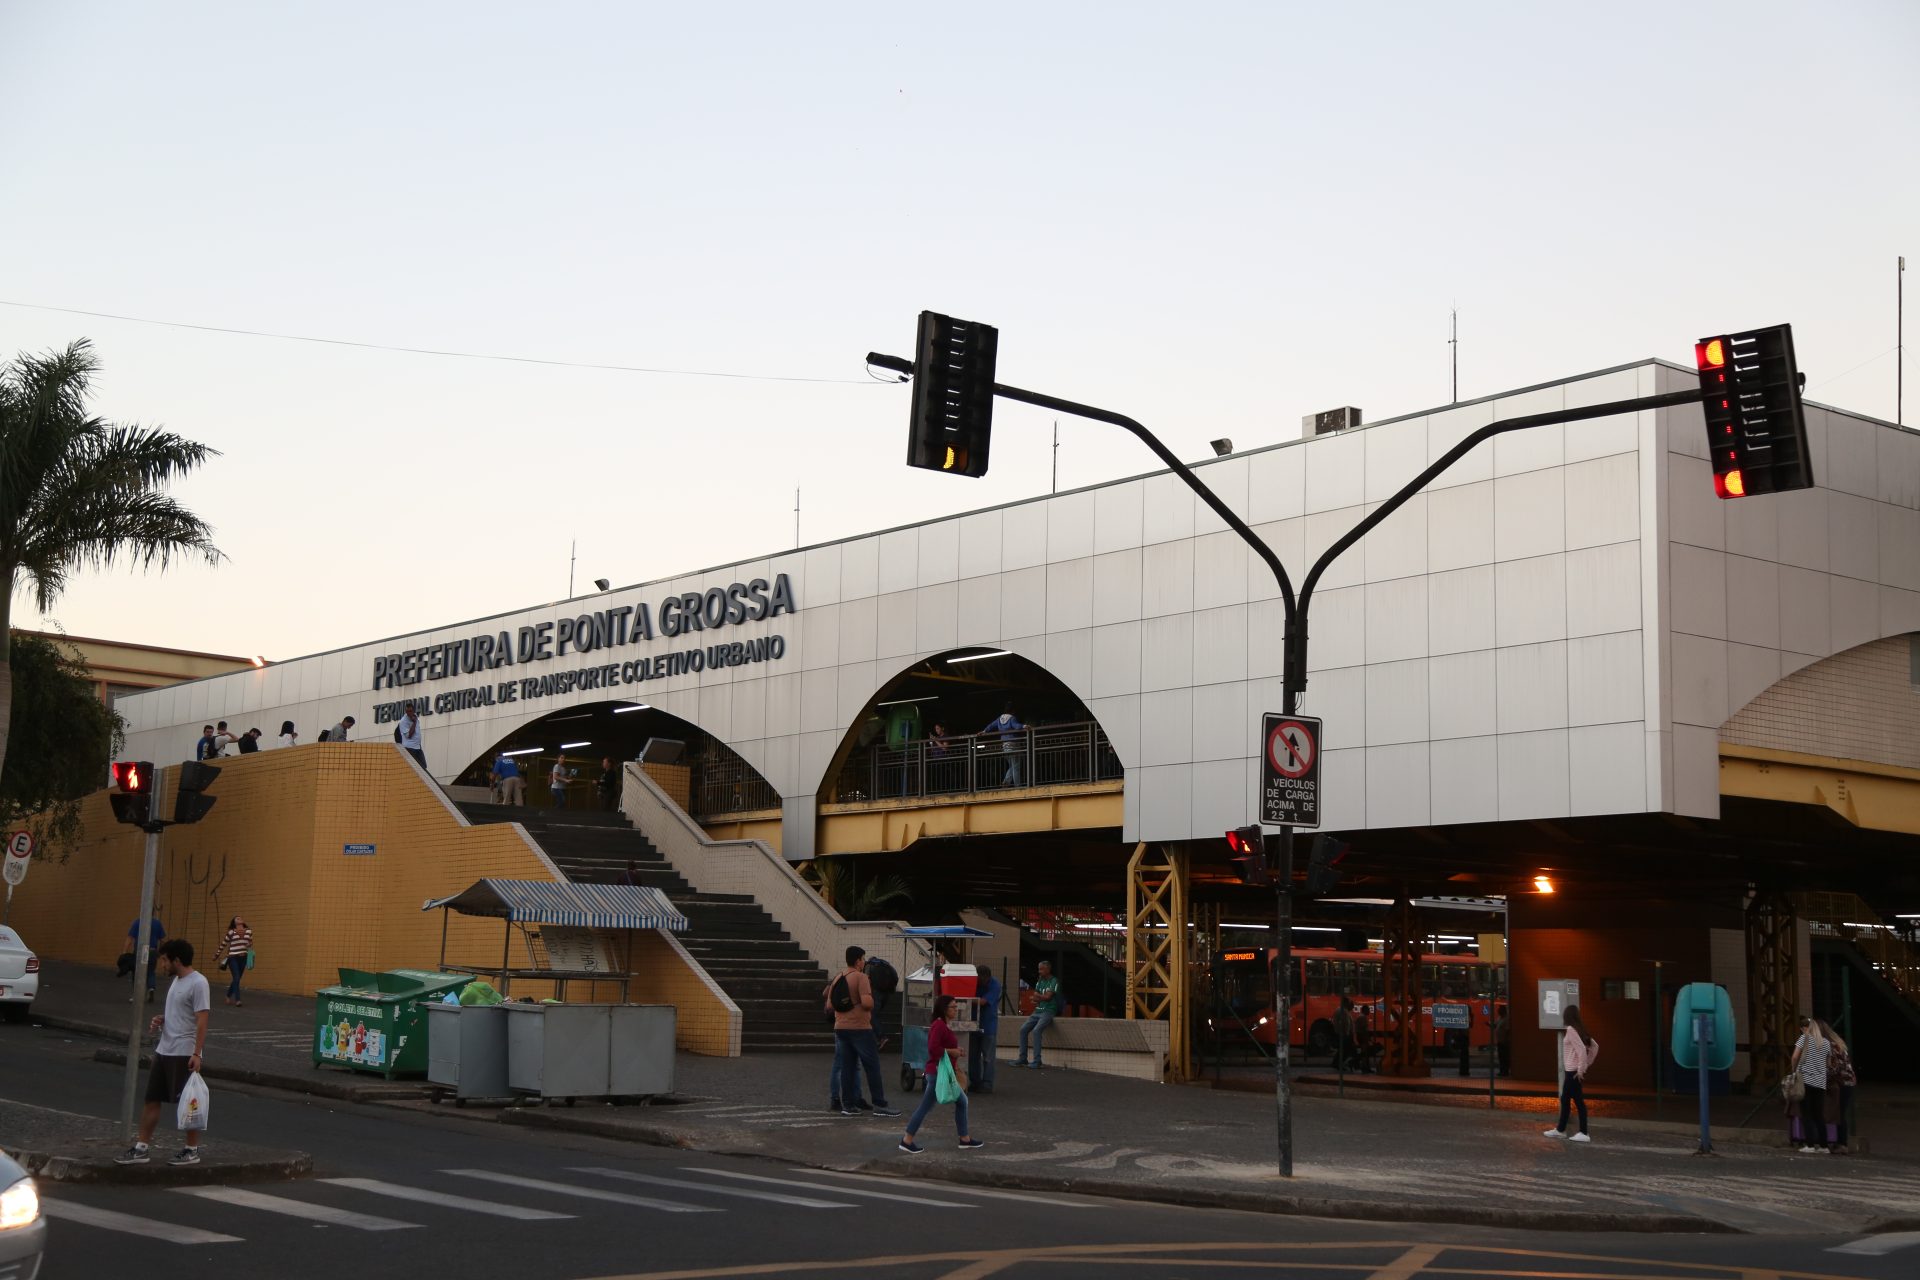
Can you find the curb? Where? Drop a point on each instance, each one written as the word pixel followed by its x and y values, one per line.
pixel 55 1167
pixel 319 1087
pixel 1187 1197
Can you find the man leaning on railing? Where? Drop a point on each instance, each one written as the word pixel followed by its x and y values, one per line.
pixel 1009 728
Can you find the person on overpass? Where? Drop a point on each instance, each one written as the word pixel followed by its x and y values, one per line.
pixel 1009 728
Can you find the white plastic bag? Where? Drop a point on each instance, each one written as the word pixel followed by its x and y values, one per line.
pixel 194 1104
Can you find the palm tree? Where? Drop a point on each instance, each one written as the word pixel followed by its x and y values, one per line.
pixel 80 493
pixel 833 879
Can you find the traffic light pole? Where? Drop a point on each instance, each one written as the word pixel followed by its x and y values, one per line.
pixel 143 943
pixel 1293 663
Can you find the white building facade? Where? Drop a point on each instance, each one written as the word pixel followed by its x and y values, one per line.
pixel 1557 627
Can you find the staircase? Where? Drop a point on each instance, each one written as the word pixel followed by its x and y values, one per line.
pixel 741 947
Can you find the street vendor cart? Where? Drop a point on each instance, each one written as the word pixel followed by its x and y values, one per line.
pixel 555 1049
pixel 927 975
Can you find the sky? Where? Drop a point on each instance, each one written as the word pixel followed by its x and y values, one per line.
pixel 1212 218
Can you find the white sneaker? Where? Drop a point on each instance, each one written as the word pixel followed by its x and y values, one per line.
pixel 1811 1151
pixel 1581 1137
pixel 1555 1133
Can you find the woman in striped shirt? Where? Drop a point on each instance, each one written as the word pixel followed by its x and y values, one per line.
pixel 233 954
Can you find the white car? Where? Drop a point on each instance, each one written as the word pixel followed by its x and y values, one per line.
pixel 19 976
pixel 23 1232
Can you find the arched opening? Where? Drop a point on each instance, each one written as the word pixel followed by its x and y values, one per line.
pixel 698 771
pixel 968 722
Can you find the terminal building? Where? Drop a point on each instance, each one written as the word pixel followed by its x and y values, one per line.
pixel 1583 720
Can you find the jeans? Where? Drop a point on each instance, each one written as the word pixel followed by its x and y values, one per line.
pixel 980 1054
pixel 559 795
pixel 860 1051
pixel 418 755
pixel 237 966
pixel 840 1059
pixel 1042 1019
pixel 929 1100
pixel 1013 772
pixel 1572 1093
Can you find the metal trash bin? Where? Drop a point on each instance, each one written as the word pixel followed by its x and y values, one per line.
pixel 642 1047
pixel 467 1051
pixel 559 1050
pixel 374 1021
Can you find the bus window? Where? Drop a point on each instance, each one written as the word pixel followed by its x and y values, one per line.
pixel 1317 977
pixel 1345 982
pixel 1429 980
pixel 1369 983
pixel 1453 981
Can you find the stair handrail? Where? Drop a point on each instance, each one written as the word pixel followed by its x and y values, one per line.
pixel 1850 918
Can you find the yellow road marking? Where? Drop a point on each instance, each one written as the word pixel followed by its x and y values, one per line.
pixel 1408 1264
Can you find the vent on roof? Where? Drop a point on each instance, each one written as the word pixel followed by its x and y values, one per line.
pixel 1319 424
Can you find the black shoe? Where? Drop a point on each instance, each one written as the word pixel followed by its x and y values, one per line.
pixel 885 1111
pixel 135 1154
pixel 188 1155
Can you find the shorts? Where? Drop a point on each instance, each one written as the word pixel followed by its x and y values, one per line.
pixel 167 1078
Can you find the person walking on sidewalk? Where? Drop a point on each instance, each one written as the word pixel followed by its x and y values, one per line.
pixel 1046 1004
pixel 941 1044
pixel 1810 1054
pixel 850 996
pixel 1577 1052
pixel 183 1035
pixel 236 950
pixel 156 934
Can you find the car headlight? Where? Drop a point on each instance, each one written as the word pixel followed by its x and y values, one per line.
pixel 19 1205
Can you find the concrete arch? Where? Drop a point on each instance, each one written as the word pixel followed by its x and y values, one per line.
pixel 1861 703
pixel 1002 673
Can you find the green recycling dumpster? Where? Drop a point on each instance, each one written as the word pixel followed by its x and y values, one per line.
pixel 376 1021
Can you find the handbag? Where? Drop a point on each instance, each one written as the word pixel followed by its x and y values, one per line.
pixel 1794 1086
pixel 946 1085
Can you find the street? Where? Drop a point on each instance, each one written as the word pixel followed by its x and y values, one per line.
pixel 461 1194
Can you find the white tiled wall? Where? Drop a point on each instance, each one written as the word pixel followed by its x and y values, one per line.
pixel 1494 651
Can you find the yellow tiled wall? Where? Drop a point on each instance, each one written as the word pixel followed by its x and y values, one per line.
pixel 274 851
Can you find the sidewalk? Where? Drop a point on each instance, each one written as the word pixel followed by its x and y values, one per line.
pixel 1440 1156
pixel 61 1146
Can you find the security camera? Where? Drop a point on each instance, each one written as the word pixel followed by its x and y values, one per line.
pixel 602 583
pixel 1221 447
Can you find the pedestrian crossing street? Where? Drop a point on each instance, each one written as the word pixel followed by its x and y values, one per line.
pixel 197 1216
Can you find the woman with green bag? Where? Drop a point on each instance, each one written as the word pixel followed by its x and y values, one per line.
pixel 946 1081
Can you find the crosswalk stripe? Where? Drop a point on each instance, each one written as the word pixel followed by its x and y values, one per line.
pixel 423 1196
pixel 295 1208
pixel 1880 1245
pixel 585 1193
pixel 845 1191
pixel 956 1188
pixel 773 1196
pixel 152 1228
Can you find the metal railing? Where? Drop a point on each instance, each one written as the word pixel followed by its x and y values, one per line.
pixel 973 764
pixel 728 784
pixel 1846 916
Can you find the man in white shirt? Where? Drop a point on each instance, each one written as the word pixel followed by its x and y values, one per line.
pixel 408 735
pixel 183 1035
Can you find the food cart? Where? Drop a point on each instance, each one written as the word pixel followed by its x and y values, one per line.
pixel 562 1050
pixel 924 976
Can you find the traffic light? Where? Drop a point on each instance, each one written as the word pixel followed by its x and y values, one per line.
pixel 1248 847
pixel 1323 864
pixel 952 395
pixel 133 791
pixel 1756 429
pixel 190 805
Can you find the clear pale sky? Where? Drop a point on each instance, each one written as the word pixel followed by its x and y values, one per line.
pixel 1215 218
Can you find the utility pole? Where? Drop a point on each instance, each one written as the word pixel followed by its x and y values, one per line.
pixel 142 956
pixel 1453 344
pixel 1293 660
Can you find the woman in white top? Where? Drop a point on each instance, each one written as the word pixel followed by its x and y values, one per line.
pixel 1577 1053
pixel 289 736
pixel 1810 1060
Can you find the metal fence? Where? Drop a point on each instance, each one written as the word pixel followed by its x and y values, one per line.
pixel 728 784
pixel 972 764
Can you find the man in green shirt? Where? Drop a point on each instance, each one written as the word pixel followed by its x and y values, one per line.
pixel 1046 1006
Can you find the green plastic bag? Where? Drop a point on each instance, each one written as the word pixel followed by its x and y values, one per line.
pixel 946 1085
pixel 480 993
pixel 249 957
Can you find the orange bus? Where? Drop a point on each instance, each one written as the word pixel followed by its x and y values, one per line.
pixel 1321 977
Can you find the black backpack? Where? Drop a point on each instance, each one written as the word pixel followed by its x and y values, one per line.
pixel 842 995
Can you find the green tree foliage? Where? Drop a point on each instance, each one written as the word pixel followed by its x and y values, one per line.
pixel 834 880
pixel 77 492
pixel 63 740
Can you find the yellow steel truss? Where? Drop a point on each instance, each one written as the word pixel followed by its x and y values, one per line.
pixel 1158 966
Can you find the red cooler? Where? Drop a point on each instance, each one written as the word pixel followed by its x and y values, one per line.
pixel 959 980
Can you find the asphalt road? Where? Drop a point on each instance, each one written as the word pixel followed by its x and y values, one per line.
pixel 397 1193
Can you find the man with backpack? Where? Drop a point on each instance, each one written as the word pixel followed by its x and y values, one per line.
pixel 850 996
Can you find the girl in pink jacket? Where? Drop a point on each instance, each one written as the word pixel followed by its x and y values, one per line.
pixel 1577 1053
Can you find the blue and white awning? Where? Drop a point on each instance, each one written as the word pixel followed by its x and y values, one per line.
pixel 583 906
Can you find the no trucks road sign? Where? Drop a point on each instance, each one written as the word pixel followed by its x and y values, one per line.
pixel 1289 770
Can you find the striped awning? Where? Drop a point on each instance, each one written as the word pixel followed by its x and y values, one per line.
pixel 583 906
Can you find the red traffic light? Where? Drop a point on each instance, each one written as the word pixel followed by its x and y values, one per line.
pixel 133 777
pixel 1245 841
pixel 1711 354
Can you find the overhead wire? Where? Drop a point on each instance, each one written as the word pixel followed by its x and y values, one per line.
pixel 433 351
